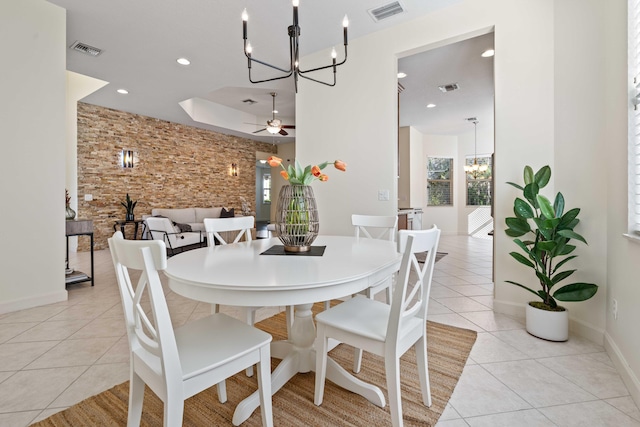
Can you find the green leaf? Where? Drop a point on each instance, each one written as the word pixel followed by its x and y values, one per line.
pixel 547 245
pixel 522 286
pixel 569 216
pixel 563 262
pixel 522 259
pixel 522 245
pixel 518 224
pixel 530 193
pixel 544 279
pixel 323 165
pixel 528 175
pixel 542 176
pixel 516 185
pixel 576 292
pixel 513 233
pixel 545 206
pixel 522 209
pixel 558 205
pixel 567 250
pixel 561 276
pixel 569 234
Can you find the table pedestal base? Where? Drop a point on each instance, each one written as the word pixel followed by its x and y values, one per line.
pixel 298 355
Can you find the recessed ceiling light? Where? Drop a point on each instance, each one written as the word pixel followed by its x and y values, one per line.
pixel 431 105
pixel 123 91
pixel 402 75
pixel 488 53
pixel 183 61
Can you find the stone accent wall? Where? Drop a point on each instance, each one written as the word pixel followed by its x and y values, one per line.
pixel 176 166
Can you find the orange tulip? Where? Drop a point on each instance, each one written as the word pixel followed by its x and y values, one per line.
pixel 323 177
pixel 274 161
pixel 340 165
pixel 316 171
pixel 284 174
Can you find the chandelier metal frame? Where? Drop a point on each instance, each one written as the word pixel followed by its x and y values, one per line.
pixel 294 53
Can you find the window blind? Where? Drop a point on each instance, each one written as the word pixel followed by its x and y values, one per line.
pixel 634 116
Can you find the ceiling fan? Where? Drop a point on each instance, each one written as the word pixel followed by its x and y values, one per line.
pixel 275 126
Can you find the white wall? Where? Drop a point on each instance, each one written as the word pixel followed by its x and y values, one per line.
pixel 32 177
pixel 548 110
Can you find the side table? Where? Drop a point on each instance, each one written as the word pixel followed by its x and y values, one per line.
pixel 79 227
pixel 122 223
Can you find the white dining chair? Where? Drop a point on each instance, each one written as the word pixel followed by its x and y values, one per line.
pixel 386 330
pixel 239 225
pixel 177 364
pixel 377 227
pixel 374 227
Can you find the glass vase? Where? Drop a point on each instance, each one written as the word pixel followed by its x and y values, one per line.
pixel 297 221
pixel 70 213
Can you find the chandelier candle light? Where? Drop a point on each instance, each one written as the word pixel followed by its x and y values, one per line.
pixel 475 167
pixel 297 221
pixel 294 52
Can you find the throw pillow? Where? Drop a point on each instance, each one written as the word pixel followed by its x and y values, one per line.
pixel 227 213
pixel 183 227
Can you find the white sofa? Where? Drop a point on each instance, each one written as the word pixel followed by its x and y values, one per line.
pixel 169 225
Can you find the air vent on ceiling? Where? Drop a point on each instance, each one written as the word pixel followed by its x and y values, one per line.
pixel 85 48
pixel 386 11
pixel 249 101
pixel 471 119
pixel 449 87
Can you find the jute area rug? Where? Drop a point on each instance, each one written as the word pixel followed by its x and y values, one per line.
pixel 448 349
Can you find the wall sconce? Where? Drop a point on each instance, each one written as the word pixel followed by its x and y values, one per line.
pixel 234 169
pixel 127 158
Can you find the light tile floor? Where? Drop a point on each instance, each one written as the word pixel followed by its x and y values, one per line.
pixel 52 357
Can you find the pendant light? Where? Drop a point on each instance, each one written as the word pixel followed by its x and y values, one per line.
pixel 474 168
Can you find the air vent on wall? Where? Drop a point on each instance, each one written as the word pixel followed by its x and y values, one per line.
pixel 85 48
pixel 386 11
pixel 449 87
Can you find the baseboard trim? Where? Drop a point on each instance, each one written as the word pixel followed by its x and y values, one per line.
pixel 34 301
pixel 576 327
pixel 628 376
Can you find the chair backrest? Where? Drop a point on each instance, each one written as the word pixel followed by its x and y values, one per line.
pixel 410 303
pixel 241 224
pixel 157 227
pixel 151 340
pixel 375 226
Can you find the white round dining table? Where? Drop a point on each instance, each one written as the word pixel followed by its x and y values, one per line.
pixel 241 275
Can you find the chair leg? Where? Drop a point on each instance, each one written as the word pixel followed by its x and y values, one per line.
pixel 215 308
pixel 423 370
pixel 264 386
pixel 136 396
pixel 327 305
pixel 222 391
pixel 321 346
pixel 173 410
pixel 392 371
pixel 250 319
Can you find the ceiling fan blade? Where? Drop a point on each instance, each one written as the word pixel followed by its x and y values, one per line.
pixel 283 132
pixel 260 130
pixel 288 126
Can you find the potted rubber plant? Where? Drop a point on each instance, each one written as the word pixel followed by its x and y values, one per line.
pixel 544 233
pixel 129 205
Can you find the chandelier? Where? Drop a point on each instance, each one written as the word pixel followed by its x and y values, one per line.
pixel 475 168
pixel 294 52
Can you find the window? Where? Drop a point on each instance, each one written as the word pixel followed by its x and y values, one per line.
pixel 266 188
pixel 634 117
pixel 479 182
pixel 439 181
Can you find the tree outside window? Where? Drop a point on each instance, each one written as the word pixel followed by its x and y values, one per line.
pixel 479 182
pixel 439 181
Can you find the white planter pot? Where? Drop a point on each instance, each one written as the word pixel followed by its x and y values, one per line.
pixel 548 325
